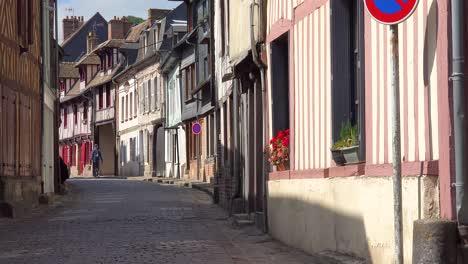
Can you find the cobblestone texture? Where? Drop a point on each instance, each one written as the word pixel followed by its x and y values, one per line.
pixel 120 221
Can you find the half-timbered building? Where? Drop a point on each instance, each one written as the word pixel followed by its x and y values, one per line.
pixel 328 65
pixel 27 100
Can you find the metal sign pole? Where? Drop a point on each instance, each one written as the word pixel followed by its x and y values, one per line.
pixel 397 194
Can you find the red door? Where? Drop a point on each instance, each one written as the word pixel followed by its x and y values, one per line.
pixel 82 151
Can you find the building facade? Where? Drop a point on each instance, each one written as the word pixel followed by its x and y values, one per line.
pixel 239 86
pixel 28 51
pixel 328 68
pixel 77 110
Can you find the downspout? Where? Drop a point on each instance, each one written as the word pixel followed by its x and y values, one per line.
pixel 459 115
pixel 262 68
pixel 57 85
pixel 42 101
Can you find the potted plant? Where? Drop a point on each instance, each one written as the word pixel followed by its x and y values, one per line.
pixel 278 150
pixel 345 150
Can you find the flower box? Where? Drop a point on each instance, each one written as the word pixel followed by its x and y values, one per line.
pixel 351 154
pixel 338 157
pixel 278 151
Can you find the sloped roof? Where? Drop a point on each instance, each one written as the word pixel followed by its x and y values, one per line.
pixel 72 93
pixel 89 59
pixel 68 70
pixel 84 25
pixel 99 80
pixel 135 32
pixel 111 43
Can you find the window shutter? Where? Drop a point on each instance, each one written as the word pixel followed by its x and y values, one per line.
pixel 155 92
pixel 141 96
pixel 150 95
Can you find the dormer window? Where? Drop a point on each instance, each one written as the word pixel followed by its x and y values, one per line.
pixel 62 86
pixel 82 74
pixel 115 56
pixel 109 59
pixel 155 38
pixel 145 42
pixel 103 62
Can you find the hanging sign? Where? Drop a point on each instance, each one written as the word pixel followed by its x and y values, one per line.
pixel 196 128
pixel 391 12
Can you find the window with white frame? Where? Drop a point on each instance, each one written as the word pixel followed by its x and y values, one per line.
pixel 154 94
pixel 145 42
pixel 142 98
pixel 122 109
pixel 149 94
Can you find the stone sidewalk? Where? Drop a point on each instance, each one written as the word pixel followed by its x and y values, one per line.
pixel 122 221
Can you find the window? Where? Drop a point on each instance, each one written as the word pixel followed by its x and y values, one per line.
pixel 62 86
pixel 346 46
pixel 101 97
pixel 108 95
pixel 149 95
pixel 280 83
pixel 145 42
pixel 155 39
pixel 82 74
pixel 85 111
pixel 135 105
pixel 131 105
pixel 75 114
pixel 109 58
pixel 122 107
pixel 115 57
pixel 188 81
pixel 141 97
pixel 153 94
pixel 126 107
pixel 103 64
pixel 25 23
pixel 65 117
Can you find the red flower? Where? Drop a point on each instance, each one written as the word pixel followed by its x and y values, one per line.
pixel 281 135
pixel 287 131
pixel 286 142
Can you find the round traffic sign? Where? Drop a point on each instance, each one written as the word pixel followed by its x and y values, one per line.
pixel 196 128
pixel 391 12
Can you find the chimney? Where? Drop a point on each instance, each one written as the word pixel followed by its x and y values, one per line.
pixel 156 14
pixel 118 28
pixel 92 41
pixel 70 25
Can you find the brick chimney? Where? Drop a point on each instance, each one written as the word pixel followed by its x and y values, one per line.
pixel 156 14
pixel 118 28
pixel 92 41
pixel 71 24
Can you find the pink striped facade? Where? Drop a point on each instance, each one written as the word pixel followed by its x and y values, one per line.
pixel 425 114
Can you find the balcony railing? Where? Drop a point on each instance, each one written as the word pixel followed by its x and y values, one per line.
pixel 105 114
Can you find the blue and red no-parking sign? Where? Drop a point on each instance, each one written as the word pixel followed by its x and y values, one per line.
pixel 196 128
pixel 391 12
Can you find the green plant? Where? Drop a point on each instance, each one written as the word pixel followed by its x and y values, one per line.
pixel 348 136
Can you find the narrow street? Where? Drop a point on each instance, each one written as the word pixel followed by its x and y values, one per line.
pixel 121 221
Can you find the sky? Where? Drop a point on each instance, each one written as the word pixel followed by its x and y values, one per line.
pixel 109 8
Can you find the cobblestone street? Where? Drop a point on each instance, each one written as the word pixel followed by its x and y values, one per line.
pixel 121 221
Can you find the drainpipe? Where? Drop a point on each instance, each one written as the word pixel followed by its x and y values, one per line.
pixel 42 99
pixel 459 115
pixel 57 85
pixel 262 68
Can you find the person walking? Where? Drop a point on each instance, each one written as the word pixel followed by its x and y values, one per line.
pixel 96 156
